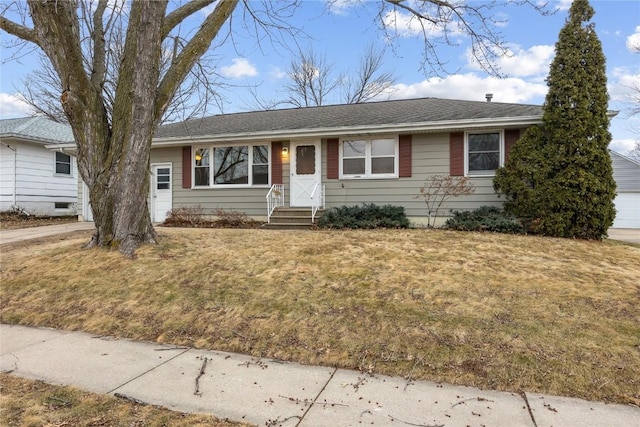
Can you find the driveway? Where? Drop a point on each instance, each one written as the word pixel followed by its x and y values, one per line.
pixel 20 234
pixel 629 235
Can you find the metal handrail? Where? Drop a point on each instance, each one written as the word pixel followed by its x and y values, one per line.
pixel 275 198
pixel 315 206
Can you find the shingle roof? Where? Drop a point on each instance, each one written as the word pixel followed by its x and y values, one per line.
pixel 397 112
pixel 36 129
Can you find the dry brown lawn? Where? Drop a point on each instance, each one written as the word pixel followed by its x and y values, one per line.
pixel 28 403
pixel 496 311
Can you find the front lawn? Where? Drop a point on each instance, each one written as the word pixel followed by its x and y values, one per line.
pixel 497 311
pixel 34 403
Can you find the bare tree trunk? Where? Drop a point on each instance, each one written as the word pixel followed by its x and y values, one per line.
pixel 113 158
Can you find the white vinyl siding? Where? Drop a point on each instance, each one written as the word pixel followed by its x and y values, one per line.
pixel 626 173
pixel 38 187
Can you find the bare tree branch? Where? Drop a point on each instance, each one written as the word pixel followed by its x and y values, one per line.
pixel 194 49
pixel 99 70
pixel 312 80
pixel 18 30
pixel 438 21
pixel 367 83
pixel 176 17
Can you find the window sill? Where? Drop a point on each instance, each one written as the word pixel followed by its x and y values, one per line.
pixel 364 177
pixel 226 187
pixel 481 175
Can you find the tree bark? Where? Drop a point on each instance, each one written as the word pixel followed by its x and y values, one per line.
pixel 113 156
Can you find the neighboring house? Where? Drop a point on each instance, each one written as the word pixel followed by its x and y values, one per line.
pixel 626 172
pixel 33 178
pixel 377 152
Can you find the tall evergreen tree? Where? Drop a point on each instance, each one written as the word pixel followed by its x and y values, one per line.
pixel 559 175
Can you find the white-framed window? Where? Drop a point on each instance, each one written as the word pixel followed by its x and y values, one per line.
pixel 484 152
pixel 163 178
pixel 231 165
pixel 369 158
pixel 62 163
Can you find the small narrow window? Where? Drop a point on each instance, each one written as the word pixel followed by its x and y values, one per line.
pixel 383 156
pixel 63 163
pixel 60 205
pixel 163 178
pixel 354 157
pixel 201 167
pixel 260 164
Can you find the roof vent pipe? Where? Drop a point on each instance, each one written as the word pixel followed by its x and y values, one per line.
pixel 489 97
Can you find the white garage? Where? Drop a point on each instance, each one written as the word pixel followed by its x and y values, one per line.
pixel 626 172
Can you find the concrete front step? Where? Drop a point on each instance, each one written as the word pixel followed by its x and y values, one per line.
pixel 292 218
pixel 289 226
pixel 295 212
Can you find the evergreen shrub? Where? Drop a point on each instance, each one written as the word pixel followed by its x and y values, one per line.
pixel 485 218
pixel 367 216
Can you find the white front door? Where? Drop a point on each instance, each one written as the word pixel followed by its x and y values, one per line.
pixel 305 172
pixel 161 199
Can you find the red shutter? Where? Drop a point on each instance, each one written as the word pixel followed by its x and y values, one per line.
pixel 186 167
pixel 510 138
pixel 404 151
pixel 276 162
pixel 456 153
pixel 333 158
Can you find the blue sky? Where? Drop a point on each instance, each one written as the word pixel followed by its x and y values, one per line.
pixel 341 31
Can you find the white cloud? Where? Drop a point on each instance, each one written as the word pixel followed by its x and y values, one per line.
pixel 12 107
pixel 277 73
pixel 625 86
pixel 341 7
pixel 473 87
pixel 240 68
pixel 633 41
pixel 407 25
pixel 501 20
pixel 622 146
pixel 564 4
pixel 521 62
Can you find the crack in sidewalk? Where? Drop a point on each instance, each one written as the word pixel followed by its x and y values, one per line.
pixel 148 370
pixel 526 401
pixel 317 396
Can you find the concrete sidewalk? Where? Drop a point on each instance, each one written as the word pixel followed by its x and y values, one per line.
pixel 271 392
pixel 22 234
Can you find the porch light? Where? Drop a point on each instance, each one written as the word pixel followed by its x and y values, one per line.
pixel 285 151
